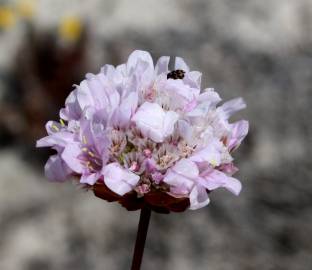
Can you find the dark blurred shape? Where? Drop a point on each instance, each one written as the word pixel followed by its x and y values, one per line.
pixel 43 76
pixel 158 201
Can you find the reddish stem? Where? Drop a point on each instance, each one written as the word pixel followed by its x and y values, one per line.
pixel 140 239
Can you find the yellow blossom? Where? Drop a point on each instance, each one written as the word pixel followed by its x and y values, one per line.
pixel 70 28
pixel 26 8
pixel 7 17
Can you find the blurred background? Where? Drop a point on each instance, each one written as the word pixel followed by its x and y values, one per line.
pixel 260 50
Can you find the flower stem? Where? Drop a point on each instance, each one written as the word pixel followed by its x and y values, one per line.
pixel 140 239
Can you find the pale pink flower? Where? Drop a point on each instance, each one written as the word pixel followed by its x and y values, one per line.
pixel 141 129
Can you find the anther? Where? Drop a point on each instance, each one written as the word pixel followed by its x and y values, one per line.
pixel 62 122
pixel 55 128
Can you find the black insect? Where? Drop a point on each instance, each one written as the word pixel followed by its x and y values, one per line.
pixel 176 74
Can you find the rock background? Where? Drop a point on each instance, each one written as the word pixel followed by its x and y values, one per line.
pixel 261 50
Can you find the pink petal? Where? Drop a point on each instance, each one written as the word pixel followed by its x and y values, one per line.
pixel 56 169
pixel 70 156
pixel 56 139
pixel 228 168
pixel 89 178
pixel 198 198
pixel 119 180
pixel 182 174
pixel 127 108
pixel 239 130
pixel 72 109
pixel 217 179
pixel 211 153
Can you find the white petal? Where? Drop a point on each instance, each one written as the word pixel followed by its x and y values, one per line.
pixel 193 79
pixel 169 121
pixel 129 104
pixel 198 198
pixel 121 188
pixel 177 180
pixel 154 122
pixel 217 179
pixel 209 95
pixel 232 106
pixel 89 178
pixel 233 185
pixel 139 56
pixel 98 93
pixel 180 93
pixel 186 131
pixel 131 178
pixel 119 180
pixel 180 64
pixel 212 153
pixel 108 70
pixel 200 110
pixel 186 168
pixel 162 65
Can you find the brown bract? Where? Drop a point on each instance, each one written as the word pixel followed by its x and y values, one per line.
pixel 157 201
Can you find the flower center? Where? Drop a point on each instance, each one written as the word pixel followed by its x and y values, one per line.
pixel 165 160
pixel 91 160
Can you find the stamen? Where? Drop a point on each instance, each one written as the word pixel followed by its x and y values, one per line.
pixel 213 162
pixel 91 168
pixel 62 122
pixel 55 128
pixel 91 154
pixel 84 140
pixel 97 162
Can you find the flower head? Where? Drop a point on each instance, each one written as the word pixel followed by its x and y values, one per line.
pixel 141 134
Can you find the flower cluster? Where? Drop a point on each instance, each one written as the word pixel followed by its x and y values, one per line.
pixel 139 128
